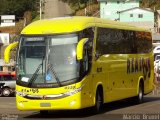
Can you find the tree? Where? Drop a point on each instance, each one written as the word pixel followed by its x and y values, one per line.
pixel 17 7
pixel 77 4
pixel 153 4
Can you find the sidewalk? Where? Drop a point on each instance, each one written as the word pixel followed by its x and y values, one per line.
pixel 156 83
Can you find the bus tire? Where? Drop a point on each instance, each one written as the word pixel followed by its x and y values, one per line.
pixel 6 92
pixel 139 97
pixel 1 92
pixel 98 101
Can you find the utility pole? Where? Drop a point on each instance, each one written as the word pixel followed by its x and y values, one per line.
pixel 40 9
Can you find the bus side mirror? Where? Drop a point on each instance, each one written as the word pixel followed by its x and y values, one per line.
pixel 97 55
pixel 80 48
pixel 8 50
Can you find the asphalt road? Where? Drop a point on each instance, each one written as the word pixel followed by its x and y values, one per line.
pixel 121 110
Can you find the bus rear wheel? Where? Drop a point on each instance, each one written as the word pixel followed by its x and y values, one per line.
pixel 139 97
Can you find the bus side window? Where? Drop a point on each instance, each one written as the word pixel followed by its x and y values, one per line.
pixel 103 41
pixel 89 34
pixel 133 42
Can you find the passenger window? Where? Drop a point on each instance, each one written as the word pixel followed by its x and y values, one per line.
pixel 117 41
pixel 109 41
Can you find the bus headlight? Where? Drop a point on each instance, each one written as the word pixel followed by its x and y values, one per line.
pixel 72 102
pixel 21 104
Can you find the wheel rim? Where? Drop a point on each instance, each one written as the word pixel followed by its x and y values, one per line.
pixel 6 92
pixel 140 93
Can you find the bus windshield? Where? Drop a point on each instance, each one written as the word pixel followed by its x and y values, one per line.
pixel 47 61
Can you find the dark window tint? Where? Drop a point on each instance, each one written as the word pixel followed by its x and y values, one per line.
pixel 140 15
pixel 158 48
pixel 116 41
pixel 35 51
pixel 144 42
pixel 6 78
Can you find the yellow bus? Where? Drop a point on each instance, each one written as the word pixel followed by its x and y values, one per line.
pixel 79 62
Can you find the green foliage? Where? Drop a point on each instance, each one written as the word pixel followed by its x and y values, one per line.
pixel 36 18
pixel 17 7
pixel 153 4
pixel 78 4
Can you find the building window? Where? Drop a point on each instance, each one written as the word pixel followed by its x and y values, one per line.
pixel 131 15
pixel 118 2
pixel 140 15
pixel 1 68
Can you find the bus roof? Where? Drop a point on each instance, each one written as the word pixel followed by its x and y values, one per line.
pixel 73 24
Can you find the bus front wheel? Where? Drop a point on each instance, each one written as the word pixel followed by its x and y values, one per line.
pixel 98 102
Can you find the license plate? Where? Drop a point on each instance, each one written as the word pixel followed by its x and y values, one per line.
pixel 45 104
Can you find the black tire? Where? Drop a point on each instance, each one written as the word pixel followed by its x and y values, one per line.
pixel 43 112
pixel 6 92
pixel 1 92
pixel 139 97
pixel 98 108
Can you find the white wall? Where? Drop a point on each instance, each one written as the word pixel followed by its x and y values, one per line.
pixel 7 20
pixel 4 38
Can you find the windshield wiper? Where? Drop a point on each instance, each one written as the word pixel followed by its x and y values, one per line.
pixel 35 75
pixel 55 74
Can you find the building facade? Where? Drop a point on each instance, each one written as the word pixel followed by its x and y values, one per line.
pixel 127 11
pixel 158 20
pixel 110 9
pixel 10 67
pixel 138 16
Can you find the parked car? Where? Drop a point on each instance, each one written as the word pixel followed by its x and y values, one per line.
pixel 157 58
pixel 156 51
pixel 9 81
pixel 1 87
